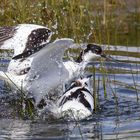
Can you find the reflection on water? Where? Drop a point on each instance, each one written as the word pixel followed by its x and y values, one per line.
pixel 117 118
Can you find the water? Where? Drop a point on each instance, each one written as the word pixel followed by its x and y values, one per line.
pixel 118 116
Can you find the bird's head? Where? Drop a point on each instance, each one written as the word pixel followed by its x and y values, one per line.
pixel 92 52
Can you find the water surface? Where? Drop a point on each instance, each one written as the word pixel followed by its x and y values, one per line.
pixel 118 115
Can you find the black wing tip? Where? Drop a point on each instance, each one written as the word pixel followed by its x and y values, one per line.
pixel 29 52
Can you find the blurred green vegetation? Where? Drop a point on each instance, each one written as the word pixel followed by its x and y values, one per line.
pixel 114 22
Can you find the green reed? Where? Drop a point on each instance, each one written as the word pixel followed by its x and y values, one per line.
pixel 94 90
pixel 25 106
pixel 85 21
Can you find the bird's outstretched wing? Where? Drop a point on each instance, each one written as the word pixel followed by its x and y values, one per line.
pixel 24 37
pixel 47 69
pixel 29 52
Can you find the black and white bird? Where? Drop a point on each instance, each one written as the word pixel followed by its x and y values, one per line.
pixel 77 102
pixel 37 65
pixel 48 70
pixel 23 38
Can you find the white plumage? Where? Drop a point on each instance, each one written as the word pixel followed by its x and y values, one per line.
pixel 77 101
pixel 23 37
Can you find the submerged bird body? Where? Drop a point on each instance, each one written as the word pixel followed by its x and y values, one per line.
pixel 77 101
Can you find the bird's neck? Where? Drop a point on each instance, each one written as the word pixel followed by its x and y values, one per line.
pixel 82 66
pixel 80 57
pixel 81 61
pixel 83 58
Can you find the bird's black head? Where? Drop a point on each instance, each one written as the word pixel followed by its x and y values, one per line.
pixel 92 51
pixel 96 49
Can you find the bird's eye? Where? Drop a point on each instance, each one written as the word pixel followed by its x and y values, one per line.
pixel 96 51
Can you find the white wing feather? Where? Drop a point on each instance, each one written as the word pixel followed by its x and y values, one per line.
pixel 47 70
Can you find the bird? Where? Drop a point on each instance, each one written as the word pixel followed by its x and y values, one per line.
pixel 77 101
pixel 23 76
pixel 37 66
pixel 48 70
pixel 22 38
